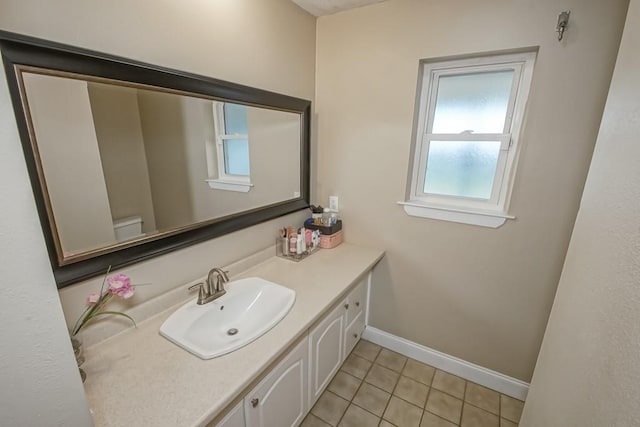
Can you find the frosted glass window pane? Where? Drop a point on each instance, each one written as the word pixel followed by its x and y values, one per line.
pixel 236 157
pixel 461 168
pixel 476 102
pixel 235 119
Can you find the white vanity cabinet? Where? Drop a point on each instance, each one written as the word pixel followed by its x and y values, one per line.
pixel 280 399
pixel 331 340
pixel 285 396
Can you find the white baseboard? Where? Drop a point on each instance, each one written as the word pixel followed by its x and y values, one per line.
pixel 470 372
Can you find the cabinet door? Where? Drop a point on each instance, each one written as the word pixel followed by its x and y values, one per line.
pixel 235 418
pixel 281 398
pixel 326 342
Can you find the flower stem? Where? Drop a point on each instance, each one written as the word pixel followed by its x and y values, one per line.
pixel 91 312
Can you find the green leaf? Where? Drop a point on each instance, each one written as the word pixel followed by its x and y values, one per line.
pixel 117 313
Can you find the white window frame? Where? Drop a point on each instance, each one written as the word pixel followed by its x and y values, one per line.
pixel 490 212
pixel 219 178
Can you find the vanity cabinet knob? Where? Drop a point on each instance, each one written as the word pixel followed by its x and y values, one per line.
pixel 346 306
pixel 254 402
pixel 355 335
pixel 357 303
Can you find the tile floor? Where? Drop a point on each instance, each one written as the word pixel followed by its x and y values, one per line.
pixel 377 387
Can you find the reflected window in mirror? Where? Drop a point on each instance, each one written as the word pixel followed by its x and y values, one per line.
pixel 228 157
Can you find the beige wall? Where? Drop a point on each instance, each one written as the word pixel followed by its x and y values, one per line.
pixel 117 121
pixel 163 130
pixel 71 161
pixel 480 294
pixel 274 137
pixel 588 371
pixel 276 53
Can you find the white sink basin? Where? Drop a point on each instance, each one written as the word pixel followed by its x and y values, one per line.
pixel 250 308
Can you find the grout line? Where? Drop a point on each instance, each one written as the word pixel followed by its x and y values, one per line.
pixel 482 409
pixel 464 394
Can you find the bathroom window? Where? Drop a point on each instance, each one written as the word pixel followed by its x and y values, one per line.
pixel 232 166
pixel 468 122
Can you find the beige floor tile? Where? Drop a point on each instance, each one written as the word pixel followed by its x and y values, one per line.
pixel 358 417
pixel 344 385
pixel 510 408
pixel 382 377
pixel 448 383
pixel 372 399
pixel 476 417
pixel 412 391
pixel 329 408
pixel 356 366
pixel 483 397
pixel 507 423
pixel 402 414
pixel 431 420
pixel 367 350
pixel 419 371
pixel 313 421
pixel 385 423
pixel 391 360
pixel 446 406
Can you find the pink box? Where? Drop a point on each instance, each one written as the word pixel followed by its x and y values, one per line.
pixel 331 240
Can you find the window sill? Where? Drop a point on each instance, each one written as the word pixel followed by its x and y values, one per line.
pixel 219 184
pixel 463 216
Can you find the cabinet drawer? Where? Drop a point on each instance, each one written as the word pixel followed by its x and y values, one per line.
pixel 353 333
pixel 357 301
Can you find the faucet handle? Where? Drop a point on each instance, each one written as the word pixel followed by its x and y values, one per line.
pixel 225 275
pixel 202 292
pixel 192 287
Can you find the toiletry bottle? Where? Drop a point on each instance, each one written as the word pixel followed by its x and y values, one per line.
pixel 334 218
pixel 308 238
pixel 316 214
pixel 300 244
pixel 293 243
pixel 326 217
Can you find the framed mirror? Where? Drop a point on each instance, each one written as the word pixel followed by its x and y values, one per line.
pixel 128 160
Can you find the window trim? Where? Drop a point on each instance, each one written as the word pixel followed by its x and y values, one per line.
pixel 223 180
pixel 464 209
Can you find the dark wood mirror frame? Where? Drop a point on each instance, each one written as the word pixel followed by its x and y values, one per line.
pixel 23 51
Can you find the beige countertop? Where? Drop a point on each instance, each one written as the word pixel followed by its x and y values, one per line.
pixel 138 378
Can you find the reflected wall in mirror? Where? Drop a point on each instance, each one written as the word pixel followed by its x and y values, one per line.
pixel 129 160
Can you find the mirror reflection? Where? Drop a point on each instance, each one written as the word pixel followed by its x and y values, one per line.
pixel 125 163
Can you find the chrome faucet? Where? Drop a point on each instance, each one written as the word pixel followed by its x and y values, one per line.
pixel 213 287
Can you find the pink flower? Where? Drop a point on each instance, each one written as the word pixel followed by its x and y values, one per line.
pixel 93 298
pixel 121 285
